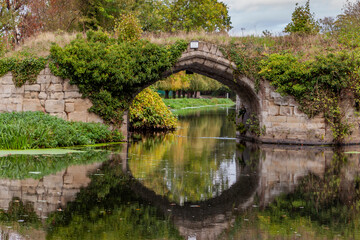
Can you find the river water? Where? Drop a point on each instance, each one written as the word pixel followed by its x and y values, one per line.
pixel 196 183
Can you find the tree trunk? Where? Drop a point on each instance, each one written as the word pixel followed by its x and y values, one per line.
pixel 183 93
pixel 179 93
pixel 174 94
pixel 166 94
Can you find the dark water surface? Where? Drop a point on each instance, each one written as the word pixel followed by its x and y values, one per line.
pixel 196 183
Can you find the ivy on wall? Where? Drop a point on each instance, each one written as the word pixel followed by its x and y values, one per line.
pixel 318 84
pixel 23 68
pixel 110 71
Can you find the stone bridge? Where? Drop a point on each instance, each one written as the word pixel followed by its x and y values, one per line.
pixel 280 117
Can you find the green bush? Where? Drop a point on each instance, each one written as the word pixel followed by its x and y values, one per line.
pixel 109 71
pixel 148 111
pixel 316 84
pixel 29 130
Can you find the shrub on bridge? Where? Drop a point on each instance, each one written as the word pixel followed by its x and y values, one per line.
pixel 110 71
pixel 318 85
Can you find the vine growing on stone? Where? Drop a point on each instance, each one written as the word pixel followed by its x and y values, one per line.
pixel 111 71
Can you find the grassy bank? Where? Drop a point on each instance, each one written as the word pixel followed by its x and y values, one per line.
pixel 30 130
pixel 181 103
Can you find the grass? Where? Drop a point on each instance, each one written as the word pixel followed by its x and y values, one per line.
pixel 181 103
pixel 31 130
pixel 308 46
pixel 39 45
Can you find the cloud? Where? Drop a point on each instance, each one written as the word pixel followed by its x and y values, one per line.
pixel 258 15
pixel 242 5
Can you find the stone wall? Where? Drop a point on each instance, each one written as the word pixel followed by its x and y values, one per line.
pixel 284 122
pixel 49 94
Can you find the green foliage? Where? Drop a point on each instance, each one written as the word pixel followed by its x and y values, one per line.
pixel 316 84
pixel 181 103
pixel 19 211
pixel 29 130
pixel 247 63
pixel 195 15
pixel 110 71
pixel 148 111
pixel 347 25
pixel 303 21
pixel 25 68
pixel 24 166
pixel 128 28
pixel 253 126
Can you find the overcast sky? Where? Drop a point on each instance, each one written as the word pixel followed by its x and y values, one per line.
pixel 273 15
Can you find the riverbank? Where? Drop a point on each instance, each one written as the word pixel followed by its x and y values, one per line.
pixel 181 103
pixel 31 130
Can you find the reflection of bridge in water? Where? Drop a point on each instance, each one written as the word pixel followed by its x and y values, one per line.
pixel 267 174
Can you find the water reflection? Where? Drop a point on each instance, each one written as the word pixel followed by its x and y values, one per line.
pixel 236 191
pixel 196 163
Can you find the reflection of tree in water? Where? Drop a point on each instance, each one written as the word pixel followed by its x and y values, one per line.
pixel 321 206
pixel 192 162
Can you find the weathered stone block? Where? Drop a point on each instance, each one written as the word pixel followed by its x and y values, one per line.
pixel 6 80
pixel 32 105
pixel 56 80
pixel 292 119
pixel 45 86
pixel 298 112
pixel 3 107
pixel 286 111
pixel 274 109
pixel 282 101
pixel 5 95
pixel 82 105
pixel 32 87
pixel 42 95
pixel 42 79
pixel 77 117
pixel 276 119
pixel 72 95
pixel 69 107
pixel 69 88
pixel 34 95
pixel 4 89
pixel 57 95
pixel 94 118
pixel 55 88
pixel 68 179
pixel 61 115
pixel 54 106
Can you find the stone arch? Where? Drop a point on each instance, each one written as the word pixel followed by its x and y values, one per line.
pixel 208 60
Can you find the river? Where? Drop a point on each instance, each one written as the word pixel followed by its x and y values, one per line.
pixel 198 182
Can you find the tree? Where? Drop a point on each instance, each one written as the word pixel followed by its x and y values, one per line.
pixel 347 25
pixel 194 15
pixel 302 21
pixel 11 12
pixel 128 28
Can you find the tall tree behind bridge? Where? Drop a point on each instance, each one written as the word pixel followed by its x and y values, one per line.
pixel 192 15
pixel 159 15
